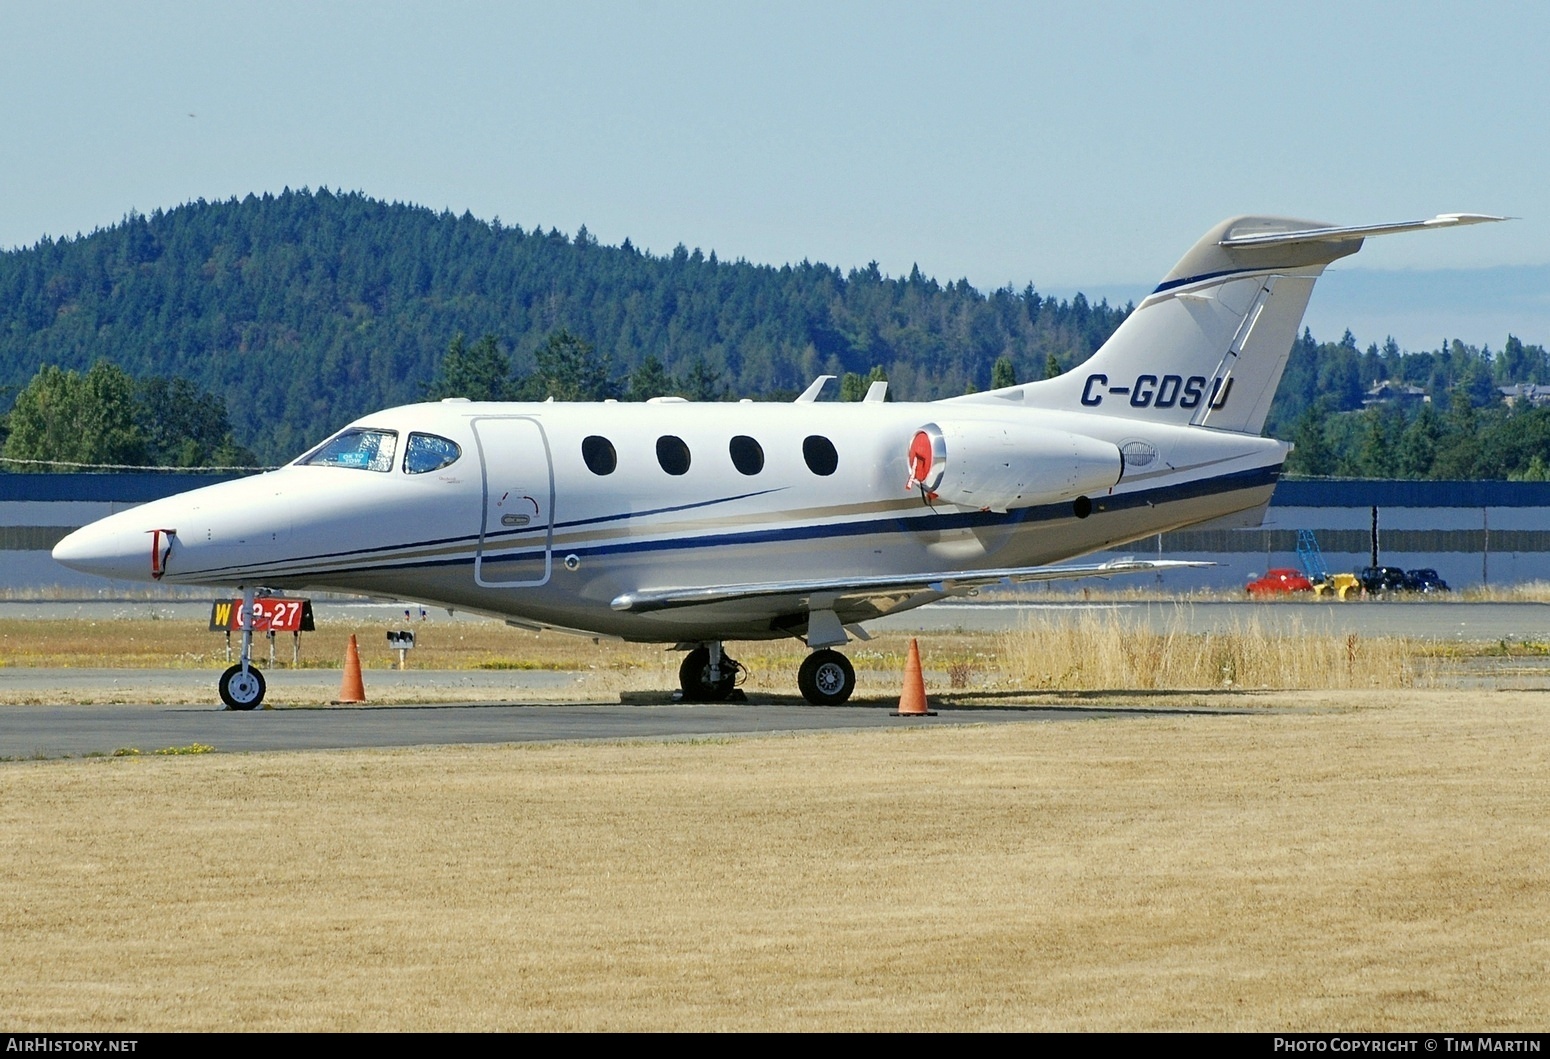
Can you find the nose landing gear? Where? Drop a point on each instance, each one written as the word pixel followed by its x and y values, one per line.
pixel 242 689
pixel 242 686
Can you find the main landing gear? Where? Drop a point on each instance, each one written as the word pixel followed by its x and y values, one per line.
pixel 826 678
pixel 708 675
pixel 242 686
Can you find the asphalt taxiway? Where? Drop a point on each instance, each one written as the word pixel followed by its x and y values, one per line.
pixel 57 731
pixel 28 731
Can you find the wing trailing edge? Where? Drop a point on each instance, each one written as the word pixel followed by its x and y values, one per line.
pixel 949 583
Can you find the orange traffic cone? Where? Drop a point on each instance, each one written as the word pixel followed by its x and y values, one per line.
pixel 352 688
pixel 912 703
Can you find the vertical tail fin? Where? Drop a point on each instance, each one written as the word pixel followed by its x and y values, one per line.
pixel 1208 346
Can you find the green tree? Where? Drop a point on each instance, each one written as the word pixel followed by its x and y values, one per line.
pixel 569 369
pixel 480 373
pixel 1052 366
pixel 1536 471
pixel 1458 449
pixel 185 426
pixel 1340 375
pixel 1377 458
pixel 1519 363
pixel 65 416
pixel 703 382
pixel 1418 445
pixel 1002 373
pixel 1312 454
pixel 650 379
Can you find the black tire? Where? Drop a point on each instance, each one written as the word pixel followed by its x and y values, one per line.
pixel 694 677
pixel 826 678
pixel 239 692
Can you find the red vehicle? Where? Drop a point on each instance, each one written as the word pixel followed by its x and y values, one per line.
pixel 1281 580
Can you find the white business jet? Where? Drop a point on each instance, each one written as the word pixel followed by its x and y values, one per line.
pixel 694 524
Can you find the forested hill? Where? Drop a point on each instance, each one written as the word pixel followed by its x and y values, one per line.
pixel 306 309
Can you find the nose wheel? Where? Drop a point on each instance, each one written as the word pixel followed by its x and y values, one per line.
pixel 242 686
pixel 826 678
pixel 242 689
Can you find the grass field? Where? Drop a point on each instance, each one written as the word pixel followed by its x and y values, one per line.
pixel 1108 651
pixel 1081 651
pixel 1338 861
pixel 1342 857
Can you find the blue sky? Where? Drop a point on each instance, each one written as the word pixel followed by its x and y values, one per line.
pixel 1074 146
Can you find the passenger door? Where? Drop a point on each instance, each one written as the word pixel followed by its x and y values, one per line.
pixel 516 531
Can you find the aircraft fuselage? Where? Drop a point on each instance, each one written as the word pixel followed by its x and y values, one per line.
pixel 519 525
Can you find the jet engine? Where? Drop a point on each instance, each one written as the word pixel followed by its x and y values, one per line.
pixel 999 466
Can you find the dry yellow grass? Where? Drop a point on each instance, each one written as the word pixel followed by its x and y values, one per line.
pixel 1353 862
pixel 1105 650
pixel 144 643
pixel 1521 592
pixel 1112 651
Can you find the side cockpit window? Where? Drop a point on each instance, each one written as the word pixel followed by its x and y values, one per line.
pixel 429 452
pixel 359 448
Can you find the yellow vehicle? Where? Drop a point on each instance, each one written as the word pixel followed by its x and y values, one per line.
pixel 1337 585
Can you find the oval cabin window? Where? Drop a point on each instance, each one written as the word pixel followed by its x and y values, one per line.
pixel 599 454
pixel 673 454
pixel 819 453
pixel 747 454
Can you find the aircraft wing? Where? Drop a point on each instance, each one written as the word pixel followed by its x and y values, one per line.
pixel 954 583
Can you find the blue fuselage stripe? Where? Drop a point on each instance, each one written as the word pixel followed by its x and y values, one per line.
pixel 1173 284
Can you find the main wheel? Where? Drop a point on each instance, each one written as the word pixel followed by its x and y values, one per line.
pixel 826 678
pixel 694 677
pixel 242 691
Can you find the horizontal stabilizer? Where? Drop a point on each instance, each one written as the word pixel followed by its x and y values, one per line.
pixel 1244 236
pixel 950 583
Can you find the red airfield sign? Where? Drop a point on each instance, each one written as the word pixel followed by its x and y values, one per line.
pixel 270 614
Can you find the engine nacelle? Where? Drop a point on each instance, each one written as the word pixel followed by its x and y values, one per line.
pixel 998 466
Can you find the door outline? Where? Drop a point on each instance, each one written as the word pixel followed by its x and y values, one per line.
pixel 485 524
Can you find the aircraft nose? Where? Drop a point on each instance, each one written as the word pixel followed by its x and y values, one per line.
pixel 107 550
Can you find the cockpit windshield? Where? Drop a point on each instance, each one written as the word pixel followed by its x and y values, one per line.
pixel 358 448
